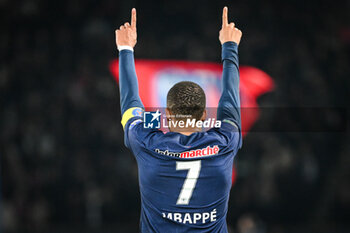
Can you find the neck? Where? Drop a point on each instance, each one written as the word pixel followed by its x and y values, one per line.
pixel 185 131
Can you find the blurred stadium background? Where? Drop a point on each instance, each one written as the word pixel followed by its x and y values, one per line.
pixel 64 167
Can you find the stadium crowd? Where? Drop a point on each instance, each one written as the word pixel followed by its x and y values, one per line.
pixel 64 167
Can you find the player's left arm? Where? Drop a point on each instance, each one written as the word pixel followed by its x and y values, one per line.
pixel 229 104
pixel 130 101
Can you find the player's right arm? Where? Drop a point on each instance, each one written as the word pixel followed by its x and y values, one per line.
pixel 130 102
pixel 229 104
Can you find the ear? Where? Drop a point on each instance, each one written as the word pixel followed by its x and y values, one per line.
pixel 204 116
pixel 168 113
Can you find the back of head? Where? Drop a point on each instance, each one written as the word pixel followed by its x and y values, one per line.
pixel 186 99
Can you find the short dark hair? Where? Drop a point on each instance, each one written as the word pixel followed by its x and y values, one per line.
pixel 186 98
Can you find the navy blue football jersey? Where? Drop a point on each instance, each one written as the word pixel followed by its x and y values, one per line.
pixel 184 180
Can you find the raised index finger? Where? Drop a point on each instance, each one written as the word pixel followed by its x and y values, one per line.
pixel 224 17
pixel 133 18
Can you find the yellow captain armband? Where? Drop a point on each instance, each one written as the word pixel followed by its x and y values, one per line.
pixel 130 113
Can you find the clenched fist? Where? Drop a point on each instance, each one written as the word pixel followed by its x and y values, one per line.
pixel 228 31
pixel 126 35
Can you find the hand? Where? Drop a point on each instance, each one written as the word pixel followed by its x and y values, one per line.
pixel 126 35
pixel 228 31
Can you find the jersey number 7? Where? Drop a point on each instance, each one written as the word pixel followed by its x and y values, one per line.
pixel 194 168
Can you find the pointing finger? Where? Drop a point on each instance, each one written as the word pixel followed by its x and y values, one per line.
pixel 133 18
pixel 224 17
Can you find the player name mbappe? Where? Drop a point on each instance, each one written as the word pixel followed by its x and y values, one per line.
pixel 207 151
pixel 192 218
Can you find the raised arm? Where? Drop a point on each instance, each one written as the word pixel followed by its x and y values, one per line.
pixel 229 104
pixel 126 37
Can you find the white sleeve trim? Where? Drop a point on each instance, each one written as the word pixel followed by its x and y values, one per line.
pixel 230 122
pixel 123 47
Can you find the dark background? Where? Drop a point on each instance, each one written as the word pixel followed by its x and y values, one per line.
pixel 64 167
